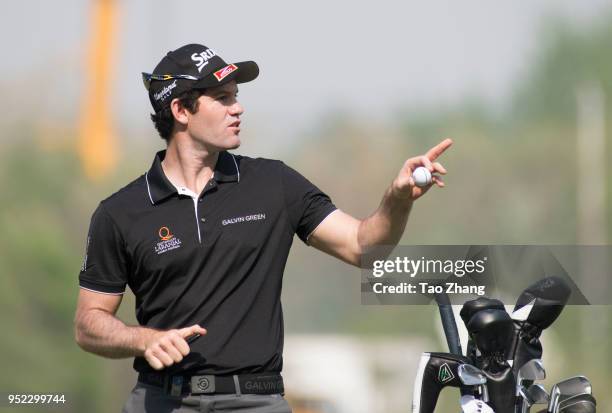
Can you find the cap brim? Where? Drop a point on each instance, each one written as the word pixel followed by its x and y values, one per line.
pixel 244 72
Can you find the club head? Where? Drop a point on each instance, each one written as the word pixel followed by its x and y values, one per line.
pixel 536 394
pixel 532 370
pixel 567 388
pixel 470 375
pixel 580 403
pixel 575 385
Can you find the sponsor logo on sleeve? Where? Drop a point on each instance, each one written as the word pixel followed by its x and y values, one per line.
pixel 223 73
pixel 168 241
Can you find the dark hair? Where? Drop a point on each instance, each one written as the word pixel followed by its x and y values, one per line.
pixel 164 119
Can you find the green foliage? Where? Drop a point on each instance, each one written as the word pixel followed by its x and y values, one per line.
pixel 567 59
pixel 44 220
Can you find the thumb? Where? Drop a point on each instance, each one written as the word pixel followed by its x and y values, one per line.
pixel 194 329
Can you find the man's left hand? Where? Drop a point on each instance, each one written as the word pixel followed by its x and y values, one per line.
pixel 404 187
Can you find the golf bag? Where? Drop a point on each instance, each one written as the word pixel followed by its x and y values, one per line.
pixel 499 345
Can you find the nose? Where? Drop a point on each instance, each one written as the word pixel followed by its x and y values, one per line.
pixel 236 109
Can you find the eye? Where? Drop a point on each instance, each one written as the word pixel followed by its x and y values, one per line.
pixel 227 97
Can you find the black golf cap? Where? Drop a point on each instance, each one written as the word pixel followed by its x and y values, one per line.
pixel 193 66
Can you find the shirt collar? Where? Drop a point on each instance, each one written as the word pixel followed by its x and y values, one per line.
pixel 159 186
pixel 227 169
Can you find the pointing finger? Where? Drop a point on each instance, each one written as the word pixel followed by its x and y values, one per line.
pixel 439 149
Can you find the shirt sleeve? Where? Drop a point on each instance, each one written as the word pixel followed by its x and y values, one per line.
pixel 306 204
pixel 105 266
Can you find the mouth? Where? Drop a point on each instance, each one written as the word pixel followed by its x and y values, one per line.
pixel 235 127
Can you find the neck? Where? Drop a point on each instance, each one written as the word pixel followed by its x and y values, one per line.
pixel 189 166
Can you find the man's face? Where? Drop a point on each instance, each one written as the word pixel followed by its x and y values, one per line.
pixel 216 124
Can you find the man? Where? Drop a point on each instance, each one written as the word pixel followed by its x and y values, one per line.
pixel 202 240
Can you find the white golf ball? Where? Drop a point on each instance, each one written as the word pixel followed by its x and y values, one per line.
pixel 421 176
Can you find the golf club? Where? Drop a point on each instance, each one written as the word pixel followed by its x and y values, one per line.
pixel 531 371
pixel 473 376
pixel 449 325
pixel 569 387
pixel 580 403
pixel 535 394
pixel 528 373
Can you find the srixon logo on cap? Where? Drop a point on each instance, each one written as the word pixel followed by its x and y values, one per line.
pixel 223 73
pixel 201 59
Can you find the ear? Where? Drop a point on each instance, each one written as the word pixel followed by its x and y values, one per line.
pixel 179 111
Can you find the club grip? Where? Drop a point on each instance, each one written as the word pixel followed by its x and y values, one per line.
pixel 448 323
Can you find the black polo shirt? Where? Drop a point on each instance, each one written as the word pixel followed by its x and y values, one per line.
pixel 217 261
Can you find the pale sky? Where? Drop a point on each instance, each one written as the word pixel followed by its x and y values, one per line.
pixel 363 57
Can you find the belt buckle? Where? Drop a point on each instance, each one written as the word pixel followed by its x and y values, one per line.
pixel 202 384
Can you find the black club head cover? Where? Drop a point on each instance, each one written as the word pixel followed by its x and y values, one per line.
pixel 536 309
pixel 481 303
pixel 491 330
pixel 472 307
pixel 547 297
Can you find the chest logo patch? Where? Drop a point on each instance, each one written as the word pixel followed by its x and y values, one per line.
pixel 168 241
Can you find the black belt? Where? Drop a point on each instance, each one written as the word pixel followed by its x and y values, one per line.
pixel 210 384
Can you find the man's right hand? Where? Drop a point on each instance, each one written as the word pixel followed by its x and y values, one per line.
pixel 165 348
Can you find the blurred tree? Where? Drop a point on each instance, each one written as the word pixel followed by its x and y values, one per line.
pixel 567 58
